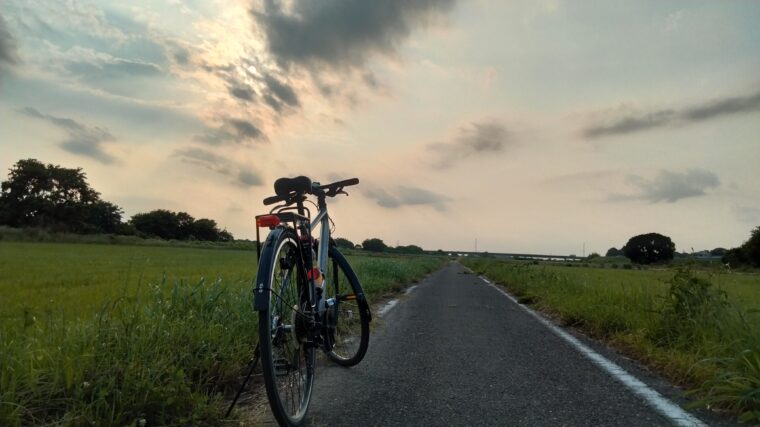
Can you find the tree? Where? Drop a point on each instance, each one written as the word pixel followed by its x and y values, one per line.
pixel 374 245
pixel 735 257
pixel 614 252
pixel 649 248
pixel 166 224
pixel 751 248
pixel 56 198
pixel 409 249
pixel 159 223
pixel 718 252
pixel 344 243
pixel 592 255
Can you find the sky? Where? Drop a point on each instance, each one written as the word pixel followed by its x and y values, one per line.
pixel 523 126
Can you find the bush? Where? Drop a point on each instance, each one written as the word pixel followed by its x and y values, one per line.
pixel 693 309
pixel 649 248
pixel 374 245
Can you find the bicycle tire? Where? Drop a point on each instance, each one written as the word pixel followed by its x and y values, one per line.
pixel 288 358
pixel 347 320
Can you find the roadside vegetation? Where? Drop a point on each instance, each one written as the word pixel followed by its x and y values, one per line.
pixel 136 335
pixel 699 327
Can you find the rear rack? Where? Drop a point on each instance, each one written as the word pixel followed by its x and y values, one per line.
pixel 288 217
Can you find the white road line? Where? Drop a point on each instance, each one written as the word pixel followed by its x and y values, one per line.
pixel 388 305
pixel 410 289
pixel 661 404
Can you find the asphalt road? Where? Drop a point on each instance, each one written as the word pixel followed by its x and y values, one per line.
pixel 456 351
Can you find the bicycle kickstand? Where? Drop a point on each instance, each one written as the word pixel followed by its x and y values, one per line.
pixel 252 365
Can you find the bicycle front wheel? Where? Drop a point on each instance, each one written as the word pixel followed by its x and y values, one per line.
pixel 347 319
pixel 287 353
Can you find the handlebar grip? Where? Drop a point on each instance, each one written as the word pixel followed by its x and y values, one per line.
pixel 273 199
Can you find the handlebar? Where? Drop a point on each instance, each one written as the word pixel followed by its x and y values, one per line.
pixel 295 188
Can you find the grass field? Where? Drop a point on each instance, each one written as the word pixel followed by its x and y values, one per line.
pixel 96 334
pixel 699 328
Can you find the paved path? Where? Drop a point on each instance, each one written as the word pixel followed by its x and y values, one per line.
pixel 457 351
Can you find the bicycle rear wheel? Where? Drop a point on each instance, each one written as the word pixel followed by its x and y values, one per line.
pixel 287 355
pixel 347 320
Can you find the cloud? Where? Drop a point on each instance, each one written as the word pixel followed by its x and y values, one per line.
pixel 406 196
pixel 82 140
pixel 281 91
pixel 7 44
pixel 90 65
pixel 249 178
pixel 670 186
pixel 479 138
pixel 240 175
pixel 112 68
pixel 632 123
pixel 235 131
pixel 342 33
pixel 243 92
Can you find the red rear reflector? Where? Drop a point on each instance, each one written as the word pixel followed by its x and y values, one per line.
pixel 267 221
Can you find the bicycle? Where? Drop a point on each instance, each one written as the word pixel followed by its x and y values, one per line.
pixel 307 296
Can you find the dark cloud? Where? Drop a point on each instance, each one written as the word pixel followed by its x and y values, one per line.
pixel 670 186
pixel 663 118
pixel 249 178
pixel 240 175
pixel 482 138
pixel 631 124
pixel 406 196
pixel 245 129
pixel 205 158
pixel 82 140
pixel 235 131
pixel 243 92
pixel 722 107
pixel 342 33
pixel 7 44
pixel 282 91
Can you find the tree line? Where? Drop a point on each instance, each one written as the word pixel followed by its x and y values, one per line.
pixel 655 248
pixel 59 199
pixel 377 245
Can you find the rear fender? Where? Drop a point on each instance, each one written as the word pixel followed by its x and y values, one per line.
pixel 261 295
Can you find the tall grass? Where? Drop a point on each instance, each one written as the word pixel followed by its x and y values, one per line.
pixel 165 358
pixel 702 336
pixel 117 335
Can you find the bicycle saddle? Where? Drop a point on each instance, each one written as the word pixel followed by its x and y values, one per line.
pixel 290 186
